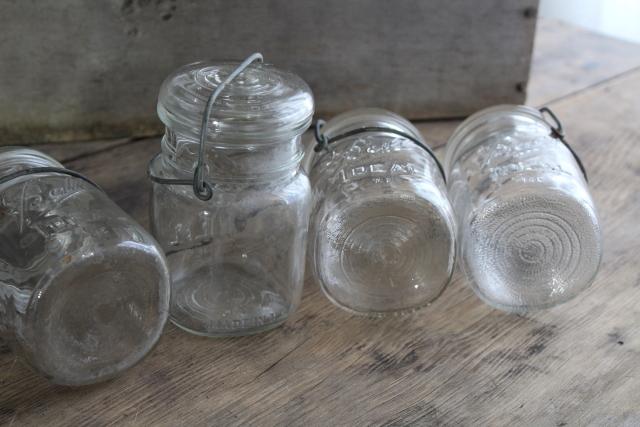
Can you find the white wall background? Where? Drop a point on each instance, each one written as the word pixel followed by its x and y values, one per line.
pixel 617 18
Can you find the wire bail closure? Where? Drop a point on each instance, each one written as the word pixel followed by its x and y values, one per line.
pixel 34 171
pixel 201 188
pixel 557 132
pixel 323 141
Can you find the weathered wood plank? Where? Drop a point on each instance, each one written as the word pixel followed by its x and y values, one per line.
pixel 456 362
pixel 66 152
pixel 88 70
pixel 567 59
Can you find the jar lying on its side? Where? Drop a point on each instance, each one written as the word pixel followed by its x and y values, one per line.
pixel 84 290
pixel 236 257
pixel 529 233
pixel 383 231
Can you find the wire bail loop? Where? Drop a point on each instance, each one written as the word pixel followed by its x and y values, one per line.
pixel 557 132
pixel 321 139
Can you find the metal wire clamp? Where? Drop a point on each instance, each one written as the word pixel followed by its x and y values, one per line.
pixel 323 141
pixel 557 132
pixel 201 188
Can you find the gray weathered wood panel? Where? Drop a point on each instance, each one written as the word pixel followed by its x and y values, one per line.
pixel 72 69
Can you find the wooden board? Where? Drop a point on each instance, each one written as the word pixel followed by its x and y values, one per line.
pixel 457 362
pixel 567 59
pixel 87 70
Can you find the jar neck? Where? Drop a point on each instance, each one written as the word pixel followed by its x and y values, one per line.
pixel 486 124
pixel 255 161
pixel 15 159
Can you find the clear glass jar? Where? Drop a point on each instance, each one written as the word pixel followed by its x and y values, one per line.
pixel 382 227
pixel 84 290
pixel 529 233
pixel 237 260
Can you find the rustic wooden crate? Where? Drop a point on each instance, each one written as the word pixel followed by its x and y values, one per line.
pixel 74 70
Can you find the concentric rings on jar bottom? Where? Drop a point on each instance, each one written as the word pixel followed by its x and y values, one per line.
pixel 384 254
pixel 532 251
pixel 228 298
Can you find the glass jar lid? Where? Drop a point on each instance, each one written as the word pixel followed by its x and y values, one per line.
pixel 261 104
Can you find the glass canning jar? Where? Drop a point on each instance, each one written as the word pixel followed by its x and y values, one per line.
pixel 237 254
pixel 84 290
pixel 529 233
pixel 382 227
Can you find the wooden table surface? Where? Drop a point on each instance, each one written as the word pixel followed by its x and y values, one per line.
pixel 457 362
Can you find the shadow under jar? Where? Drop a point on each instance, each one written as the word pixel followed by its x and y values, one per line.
pixel 529 233
pixel 237 259
pixel 84 290
pixel 382 227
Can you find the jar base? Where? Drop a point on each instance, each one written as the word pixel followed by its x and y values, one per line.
pixel 228 299
pixel 223 334
pixel 97 317
pixel 532 250
pixel 384 254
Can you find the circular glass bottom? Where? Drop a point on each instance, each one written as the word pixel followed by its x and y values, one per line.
pixel 98 316
pixel 390 253
pixel 532 250
pixel 228 299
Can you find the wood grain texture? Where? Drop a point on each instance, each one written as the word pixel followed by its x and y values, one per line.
pixel 457 362
pixel 567 59
pixel 88 70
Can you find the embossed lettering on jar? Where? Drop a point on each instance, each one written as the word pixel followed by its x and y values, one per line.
pixel 383 231
pixel 529 233
pixel 237 260
pixel 84 290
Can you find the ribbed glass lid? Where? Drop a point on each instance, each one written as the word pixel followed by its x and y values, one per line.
pixel 262 103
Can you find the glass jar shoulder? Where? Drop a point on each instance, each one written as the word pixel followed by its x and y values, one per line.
pixel 374 160
pixel 293 186
pixel 513 160
pixel 390 169
pixel 54 220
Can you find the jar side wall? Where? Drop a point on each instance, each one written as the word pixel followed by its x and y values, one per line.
pixel 62 232
pixel 382 228
pixel 13 298
pixel 237 261
pixel 528 229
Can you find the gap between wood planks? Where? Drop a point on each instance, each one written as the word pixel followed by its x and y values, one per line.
pixel 111 147
pixel 593 86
